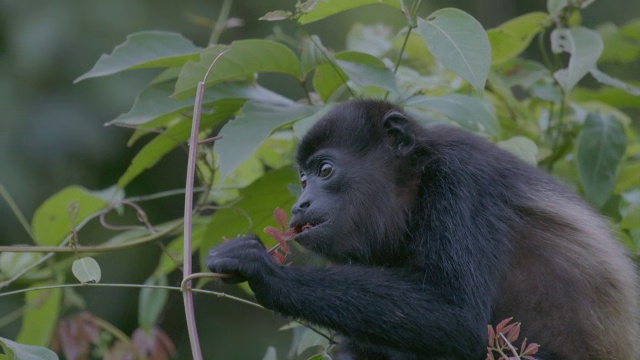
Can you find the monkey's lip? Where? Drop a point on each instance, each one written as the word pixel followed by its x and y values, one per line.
pixel 306 226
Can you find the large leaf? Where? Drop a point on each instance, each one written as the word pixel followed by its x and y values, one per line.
pixel 366 70
pixel 243 136
pixel 628 179
pixel 617 47
pixel 375 40
pixel 62 212
pixel 151 302
pixel 601 146
pixel 327 79
pixel 584 46
pixel 470 112
pixel 361 68
pixel 12 350
pixel 313 54
pixel 611 81
pixel 459 43
pixel 256 202
pixel 155 101
pixel 522 147
pixel 327 8
pixel 177 134
pixel 514 36
pixel 145 49
pixel 242 61
pixel 39 321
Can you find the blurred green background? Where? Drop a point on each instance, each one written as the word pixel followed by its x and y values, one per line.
pixel 52 133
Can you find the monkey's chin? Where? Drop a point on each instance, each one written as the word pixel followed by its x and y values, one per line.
pixel 309 234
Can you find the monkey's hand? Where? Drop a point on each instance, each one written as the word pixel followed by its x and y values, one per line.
pixel 244 258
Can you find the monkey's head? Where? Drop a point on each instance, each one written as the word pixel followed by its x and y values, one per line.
pixel 357 169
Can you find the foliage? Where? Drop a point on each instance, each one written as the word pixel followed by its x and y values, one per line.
pixel 442 67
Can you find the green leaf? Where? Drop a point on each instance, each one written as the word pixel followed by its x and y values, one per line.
pixel 617 47
pixel 14 351
pixel 303 125
pixel 632 219
pixel 361 68
pixel 278 150
pixel 276 15
pixel 470 112
pixel 327 79
pixel 313 55
pixel 244 135
pixel 155 101
pixel 555 7
pixel 459 43
pixel 86 270
pixel 585 47
pixel 270 354
pixel 631 29
pixel 375 40
pixel 327 8
pixel 152 302
pixel 366 70
pixel 147 49
pixel 12 263
pixel 612 96
pixel 601 146
pixel 514 36
pixel 39 321
pixel 628 179
pixel 62 212
pixel 242 61
pixel 253 212
pixel 174 251
pixel 311 339
pixel 177 134
pixel 611 81
pixel 524 73
pixel 522 147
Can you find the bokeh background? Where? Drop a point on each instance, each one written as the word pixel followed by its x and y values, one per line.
pixel 52 133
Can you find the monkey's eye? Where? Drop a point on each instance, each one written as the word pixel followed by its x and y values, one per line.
pixel 303 180
pixel 325 170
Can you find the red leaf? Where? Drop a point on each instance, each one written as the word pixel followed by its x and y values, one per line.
pixel 279 257
pixel 492 334
pixel 154 345
pixel 513 333
pixel 502 324
pixel 75 335
pixel 531 349
pixel 281 217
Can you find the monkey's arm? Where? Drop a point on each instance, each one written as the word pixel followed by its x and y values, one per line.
pixel 384 306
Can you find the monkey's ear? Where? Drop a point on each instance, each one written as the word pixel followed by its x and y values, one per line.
pixel 399 132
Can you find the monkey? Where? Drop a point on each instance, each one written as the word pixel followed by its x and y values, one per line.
pixel 433 233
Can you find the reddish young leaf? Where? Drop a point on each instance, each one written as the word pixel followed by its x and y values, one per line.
pixel 513 332
pixel 75 335
pixel 531 349
pixel 502 324
pixel 155 345
pixel 489 354
pixel 280 251
pixel 281 218
pixel 492 334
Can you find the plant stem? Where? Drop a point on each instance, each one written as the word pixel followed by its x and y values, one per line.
pixel 16 211
pixel 188 216
pixel 221 23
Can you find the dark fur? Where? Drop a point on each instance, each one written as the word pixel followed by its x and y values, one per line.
pixel 436 233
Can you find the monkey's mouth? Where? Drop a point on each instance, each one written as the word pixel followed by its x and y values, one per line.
pixel 300 228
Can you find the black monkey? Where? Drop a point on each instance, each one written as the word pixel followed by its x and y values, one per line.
pixel 435 233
